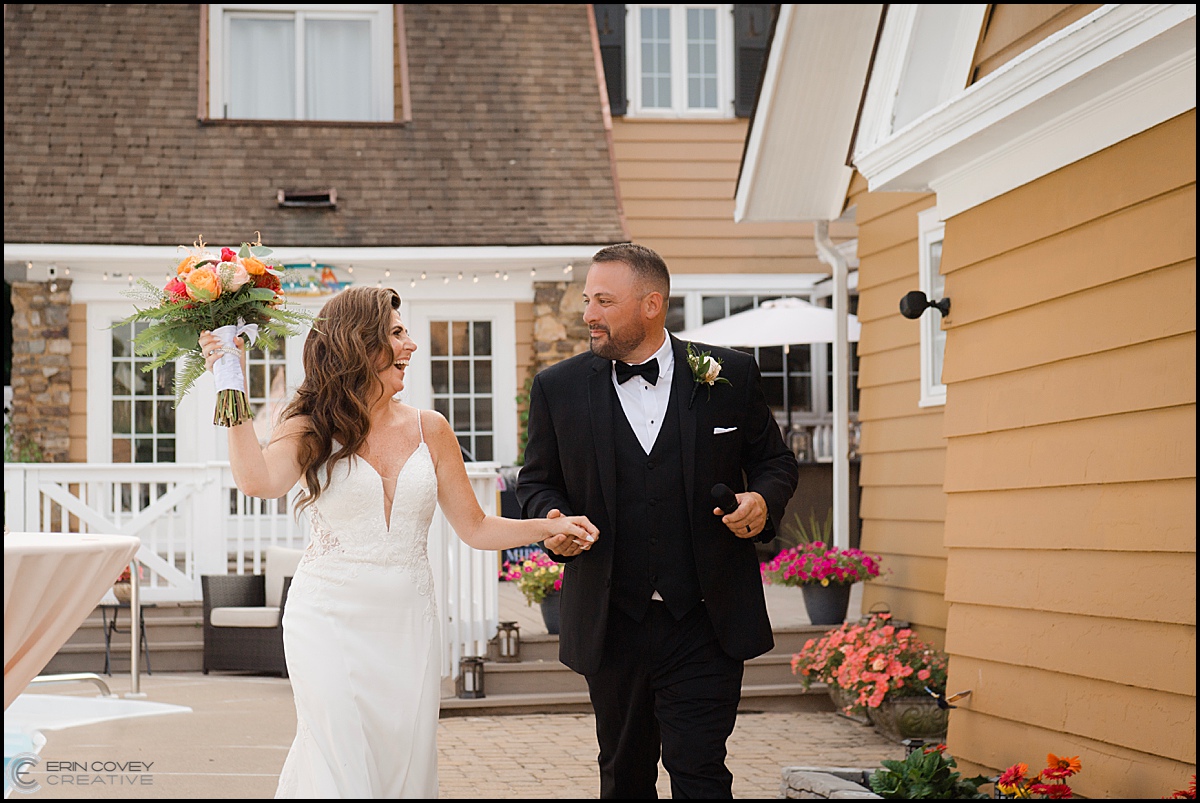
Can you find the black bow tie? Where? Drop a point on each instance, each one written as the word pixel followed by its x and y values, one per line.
pixel 649 370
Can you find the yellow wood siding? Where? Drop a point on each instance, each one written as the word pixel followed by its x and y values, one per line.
pixel 903 451
pixel 678 179
pixel 1010 29
pixel 1070 470
pixel 77 332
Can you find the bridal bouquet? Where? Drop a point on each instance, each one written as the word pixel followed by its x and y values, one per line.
pixel 230 294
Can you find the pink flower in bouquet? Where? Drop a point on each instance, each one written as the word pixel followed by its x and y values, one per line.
pixel 233 275
pixel 228 255
pixel 176 289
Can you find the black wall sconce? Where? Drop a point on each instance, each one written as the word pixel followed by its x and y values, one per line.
pixel 914 303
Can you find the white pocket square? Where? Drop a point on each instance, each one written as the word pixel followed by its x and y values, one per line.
pixel 723 430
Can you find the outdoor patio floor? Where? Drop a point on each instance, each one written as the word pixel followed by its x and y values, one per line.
pixel 233 741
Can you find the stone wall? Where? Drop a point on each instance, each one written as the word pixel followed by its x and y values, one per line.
pixel 41 369
pixel 558 328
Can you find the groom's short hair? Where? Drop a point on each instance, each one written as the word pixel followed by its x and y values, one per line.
pixel 648 267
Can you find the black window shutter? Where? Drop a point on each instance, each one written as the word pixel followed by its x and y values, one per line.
pixel 751 36
pixel 610 23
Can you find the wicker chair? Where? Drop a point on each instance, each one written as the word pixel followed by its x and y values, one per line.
pixel 243 616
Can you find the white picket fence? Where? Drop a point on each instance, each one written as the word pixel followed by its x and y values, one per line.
pixel 192 520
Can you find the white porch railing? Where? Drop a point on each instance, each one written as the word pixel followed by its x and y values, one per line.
pixel 192 520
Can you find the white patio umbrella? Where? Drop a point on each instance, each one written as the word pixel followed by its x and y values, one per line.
pixel 779 322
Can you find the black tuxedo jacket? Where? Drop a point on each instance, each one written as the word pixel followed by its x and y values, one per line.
pixel 728 435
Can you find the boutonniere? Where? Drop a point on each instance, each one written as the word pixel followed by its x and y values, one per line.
pixel 706 370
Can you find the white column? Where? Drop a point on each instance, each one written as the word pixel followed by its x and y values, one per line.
pixel 841 384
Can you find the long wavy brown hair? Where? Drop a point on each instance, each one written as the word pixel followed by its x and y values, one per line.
pixel 342 355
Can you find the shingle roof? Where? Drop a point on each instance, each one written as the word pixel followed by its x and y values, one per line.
pixel 506 144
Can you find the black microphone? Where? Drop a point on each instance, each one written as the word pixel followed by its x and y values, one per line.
pixel 725 498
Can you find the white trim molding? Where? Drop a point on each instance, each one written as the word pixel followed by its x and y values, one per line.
pixel 1118 71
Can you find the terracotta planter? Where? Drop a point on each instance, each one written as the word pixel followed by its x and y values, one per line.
pixel 911 718
pixel 123 592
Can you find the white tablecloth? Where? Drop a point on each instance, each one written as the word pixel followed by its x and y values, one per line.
pixel 52 581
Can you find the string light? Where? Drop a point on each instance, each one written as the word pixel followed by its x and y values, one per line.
pixel 28 266
pixel 106 276
pixel 130 278
pixel 568 268
pixel 532 272
pixel 460 275
pixel 66 271
pixel 445 280
pixel 412 282
pixel 506 276
pixel 312 263
pixel 422 275
pixel 387 274
pixel 475 278
pixel 350 270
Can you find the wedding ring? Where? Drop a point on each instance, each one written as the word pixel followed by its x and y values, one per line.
pixel 747 528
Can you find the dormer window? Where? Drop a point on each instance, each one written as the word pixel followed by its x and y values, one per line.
pixel 301 62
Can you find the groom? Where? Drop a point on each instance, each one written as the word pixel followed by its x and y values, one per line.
pixel 661 613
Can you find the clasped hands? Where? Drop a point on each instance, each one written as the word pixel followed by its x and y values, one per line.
pixel 579 534
pixel 747 521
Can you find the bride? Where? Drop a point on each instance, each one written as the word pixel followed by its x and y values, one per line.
pixel 361 631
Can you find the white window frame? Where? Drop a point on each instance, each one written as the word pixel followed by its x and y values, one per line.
pixel 679 108
pixel 931 231
pixel 382 72
pixel 419 389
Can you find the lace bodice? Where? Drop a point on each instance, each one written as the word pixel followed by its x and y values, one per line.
pixel 350 529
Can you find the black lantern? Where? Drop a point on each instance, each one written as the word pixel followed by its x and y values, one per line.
pixel 470 677
pixel 508 642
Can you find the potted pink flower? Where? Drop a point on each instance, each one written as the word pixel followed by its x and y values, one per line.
pixel 824 574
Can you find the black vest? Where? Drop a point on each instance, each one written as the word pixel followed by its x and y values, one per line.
pixel 653 540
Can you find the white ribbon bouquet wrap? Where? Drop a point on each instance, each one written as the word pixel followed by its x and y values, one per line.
pixel 233 407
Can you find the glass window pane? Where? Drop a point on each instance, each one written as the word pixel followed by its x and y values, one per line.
pixel 122 417
pixel 121 451
pixel 483 338
pixel 439 344
pixel 702 58
pixel 143 450
pixel 770 360
pixel 462 415
pixel 675 314
pixel 656 57
pixel 483 376
pixel 800 359
pixel 464 443
pixel 462 376
pixel 166 450
pixel 801 390
pixel 713 308
pixel 740 304
pixel 121 380
pixel 773 390
pixel 262 58
pixel 166 417
pixel 258 380
pixel 443 407
pixel 483 448
pixel 440 376
pixel 165 379
pixel 337 58
pixel 143 418
pixel 483 415
pixel 141 379
pixel 460 343
pixel 122 335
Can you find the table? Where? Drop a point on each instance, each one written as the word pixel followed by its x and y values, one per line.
pixel 52 582
pixel 111 627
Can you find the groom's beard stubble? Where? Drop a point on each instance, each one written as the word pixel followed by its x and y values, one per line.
pixel 617 347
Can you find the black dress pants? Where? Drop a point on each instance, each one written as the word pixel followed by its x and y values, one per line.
pixel 664 687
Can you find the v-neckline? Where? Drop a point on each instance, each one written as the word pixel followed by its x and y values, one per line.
pixel 387 513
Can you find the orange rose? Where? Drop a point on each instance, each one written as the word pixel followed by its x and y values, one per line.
pixel 254 267
pixel 187 264
pixel 203 284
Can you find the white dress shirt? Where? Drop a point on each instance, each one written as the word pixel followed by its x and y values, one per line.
pixel 645 405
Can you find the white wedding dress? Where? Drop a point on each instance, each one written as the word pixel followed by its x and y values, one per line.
pixel 362 640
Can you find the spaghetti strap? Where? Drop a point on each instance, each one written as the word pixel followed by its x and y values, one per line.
pixel 420 429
